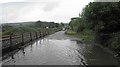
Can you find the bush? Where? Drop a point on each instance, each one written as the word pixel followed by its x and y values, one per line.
pixel 102 38
pixel 114 41
pixel 70 32
pixel 103 18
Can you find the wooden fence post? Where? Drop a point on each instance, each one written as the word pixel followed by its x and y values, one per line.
pixel 43 34
pixel 30 36
pixel 11 48
pixel 40 34
pixel 22 39
pixel 36 36
pixel 46 33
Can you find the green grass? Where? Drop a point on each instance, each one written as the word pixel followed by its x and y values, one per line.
pixel 87 35
pixel 70 32
pixel 22 29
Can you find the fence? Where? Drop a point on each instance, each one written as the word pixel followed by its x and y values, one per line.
pixel 10 42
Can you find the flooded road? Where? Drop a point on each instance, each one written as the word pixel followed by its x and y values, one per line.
pixel 60 49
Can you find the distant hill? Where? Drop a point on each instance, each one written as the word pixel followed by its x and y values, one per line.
pixel 22 27
pixel 18 23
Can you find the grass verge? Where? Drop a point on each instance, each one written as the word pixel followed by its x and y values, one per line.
pixel 70 32
pixel 87 35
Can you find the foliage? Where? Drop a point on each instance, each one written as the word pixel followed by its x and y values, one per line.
pixel 114 41
pixel 70 32
pixel 87 35
pixel 76 24
pixel 103 19
pixel 11 29
pixel 44 24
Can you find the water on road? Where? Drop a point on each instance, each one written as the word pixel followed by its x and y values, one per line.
pixel 60 49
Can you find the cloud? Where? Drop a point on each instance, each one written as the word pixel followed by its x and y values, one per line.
pixel 45 10
pixel 50 6
pixel 107 0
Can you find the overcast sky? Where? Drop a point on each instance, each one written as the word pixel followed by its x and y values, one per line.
pixel 45 10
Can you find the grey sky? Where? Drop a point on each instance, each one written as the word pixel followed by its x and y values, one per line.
pixel 107 0
pixel 51 5
pixel 44 10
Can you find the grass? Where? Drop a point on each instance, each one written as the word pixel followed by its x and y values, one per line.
pixel 87 35
pixel 70 32
pixel 22 29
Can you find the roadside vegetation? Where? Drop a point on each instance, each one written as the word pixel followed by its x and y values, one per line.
pixel 12 29
pixel 99 22
pixel 70 32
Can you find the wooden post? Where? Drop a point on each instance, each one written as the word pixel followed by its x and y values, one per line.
pixel 43 33
pixel 40 34
pixel 36 36
pixel 11 48
pixel 22 39
pixel 30 36
pixel 46 32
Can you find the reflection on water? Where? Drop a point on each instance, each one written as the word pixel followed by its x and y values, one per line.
pixel 12 56
pixel 95 55
pixel 48 51
pixel 23 51
pixel 31 47
pixel 60 50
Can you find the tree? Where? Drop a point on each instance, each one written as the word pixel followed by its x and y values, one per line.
pixel 102 18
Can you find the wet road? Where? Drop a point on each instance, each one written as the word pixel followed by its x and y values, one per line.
pixel 61 49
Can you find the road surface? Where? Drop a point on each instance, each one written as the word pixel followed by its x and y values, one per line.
pixel 60 49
